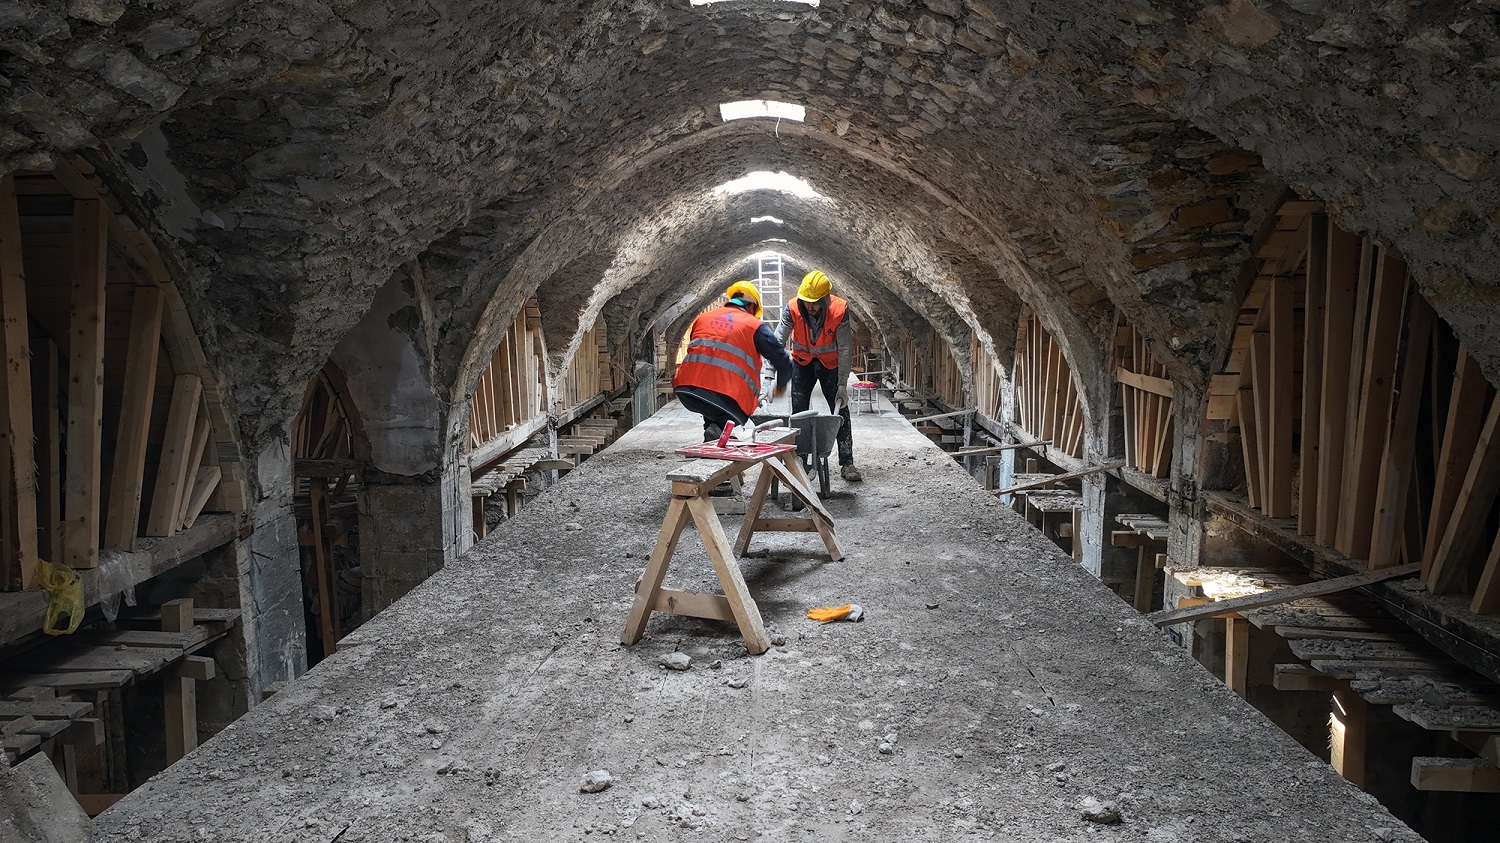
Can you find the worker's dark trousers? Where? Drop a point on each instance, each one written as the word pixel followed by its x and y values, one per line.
pixel 714 416
pixel 802 384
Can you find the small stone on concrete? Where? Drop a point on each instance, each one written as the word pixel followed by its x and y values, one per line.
pixel 677 661
pixel 1104 813
pixel 595 781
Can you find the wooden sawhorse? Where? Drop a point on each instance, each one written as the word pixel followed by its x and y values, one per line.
pixel 692 482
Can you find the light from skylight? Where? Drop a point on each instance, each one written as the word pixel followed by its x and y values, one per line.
pixel 761 108
pixel 812 3
pixel 776 220
pixel 764 180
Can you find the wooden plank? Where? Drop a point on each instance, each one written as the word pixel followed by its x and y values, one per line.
pixel 1280 365
pixel 1465 775
pixel 1250 446
pixel 1260 385
pixel 92 680
pixel 1338 332
pixel 166 500
pixel 1280 595
pixel 18 490
pixel 1460 442
pixel 1357 512
pixel 1398 464
pixel 1300 677
pixel 46 389
pixel 693 604
pixel 1312 372
pixel 44 709
pixel 1471 507
pixel 121 525
pixel 81 492
pixel 204 486
pixel 1058 478
pixel 190 469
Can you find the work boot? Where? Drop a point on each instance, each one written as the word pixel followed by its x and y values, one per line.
pixel 850 473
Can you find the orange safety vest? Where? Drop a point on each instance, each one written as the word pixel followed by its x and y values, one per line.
pixel 721 356
pixel 824 346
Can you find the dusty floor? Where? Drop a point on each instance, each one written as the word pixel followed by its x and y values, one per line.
pixel 1008 686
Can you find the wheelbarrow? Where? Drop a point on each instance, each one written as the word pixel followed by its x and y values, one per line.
pixel 816 435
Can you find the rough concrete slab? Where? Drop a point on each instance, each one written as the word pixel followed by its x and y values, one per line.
pixel 36 807
pixel 994 692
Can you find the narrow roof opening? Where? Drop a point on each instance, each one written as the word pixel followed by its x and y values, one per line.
pixel 764 180
pixel 776 220
pixel 744 109
pixel 813 3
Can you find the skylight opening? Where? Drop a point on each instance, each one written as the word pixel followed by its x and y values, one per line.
pixel 745 109
pixel 764 180
pixel 776 220
pixel 812 3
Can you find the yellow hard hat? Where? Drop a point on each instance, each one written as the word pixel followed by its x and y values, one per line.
pixel 815 286
pixel 744 291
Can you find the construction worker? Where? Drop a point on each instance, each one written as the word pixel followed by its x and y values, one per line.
pixel 822 348
pixel 720 377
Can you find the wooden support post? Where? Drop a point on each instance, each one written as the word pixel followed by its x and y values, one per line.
pixel 1260 382
pixel 82 497
pixel 17 459
pixel 180 699
pixel 1249 444
pixel 177 615
pixel 1387 303
pixel 166 499
pixel 126 479
pixel 1338 330
pixel 1348 733
pixel 46 392
pixel 1460 439
pixel 1449 571
pixel 1237 654
pixel 1145 578
pixel 1397 467
pixel 1312 372
pixel 1281 347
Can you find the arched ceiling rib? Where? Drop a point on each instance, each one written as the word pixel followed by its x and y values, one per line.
pixel 313 148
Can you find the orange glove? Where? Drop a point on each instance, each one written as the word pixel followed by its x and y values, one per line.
pixel 830 613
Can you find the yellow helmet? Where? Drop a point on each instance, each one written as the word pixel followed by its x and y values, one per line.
pixel 744 291
pixel 815 286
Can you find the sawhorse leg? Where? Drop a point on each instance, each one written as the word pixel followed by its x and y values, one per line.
pixel 656 571
pixel 788 470
pixel 735 604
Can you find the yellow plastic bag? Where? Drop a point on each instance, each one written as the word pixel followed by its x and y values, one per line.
pixel 66 596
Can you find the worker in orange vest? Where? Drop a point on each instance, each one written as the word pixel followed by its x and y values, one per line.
pixel 822 349
pixel 719 378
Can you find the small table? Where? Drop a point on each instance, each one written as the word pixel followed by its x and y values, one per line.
pixel 862 396
pixel 691 485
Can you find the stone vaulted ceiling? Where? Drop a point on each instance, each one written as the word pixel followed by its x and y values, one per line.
pixel 976 155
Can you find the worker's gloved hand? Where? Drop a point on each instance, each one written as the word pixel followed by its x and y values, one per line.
pixel 841 400
pixel 765 398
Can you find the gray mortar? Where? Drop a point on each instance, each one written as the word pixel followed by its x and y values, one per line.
pixel 1016 687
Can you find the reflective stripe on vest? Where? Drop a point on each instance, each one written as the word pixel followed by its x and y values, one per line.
pixel 721 357
pixel 803 350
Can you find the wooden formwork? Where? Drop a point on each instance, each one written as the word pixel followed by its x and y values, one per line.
pixel 113 427
pixel 1046 398
pixel 1146 400
pixel 1359 413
